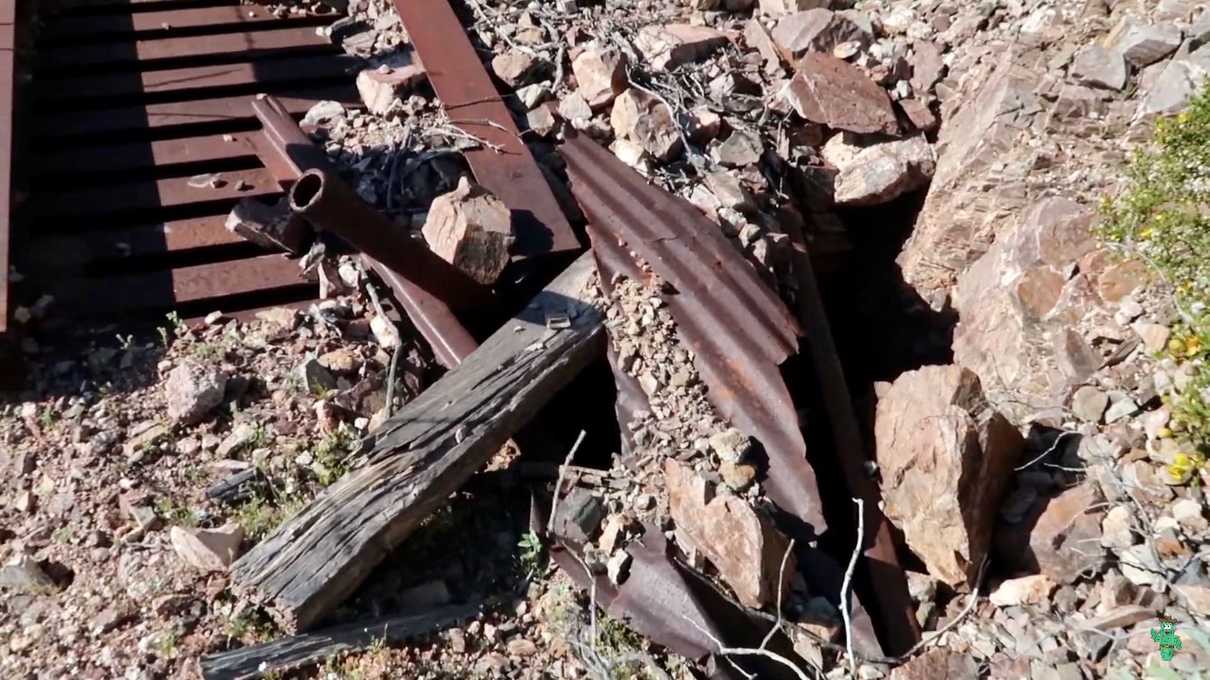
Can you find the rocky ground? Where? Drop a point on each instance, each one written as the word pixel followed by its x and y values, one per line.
pixel 1047 489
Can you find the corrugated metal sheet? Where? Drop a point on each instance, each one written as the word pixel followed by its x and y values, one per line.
pixel 738 329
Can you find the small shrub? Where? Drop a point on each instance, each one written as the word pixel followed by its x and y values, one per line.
pixel 1163 217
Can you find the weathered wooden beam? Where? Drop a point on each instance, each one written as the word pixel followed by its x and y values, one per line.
pixel 290 653
pixel 424 453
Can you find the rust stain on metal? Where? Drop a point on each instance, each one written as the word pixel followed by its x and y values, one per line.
pixel 738 329
pixel 288 154
pixel 473 104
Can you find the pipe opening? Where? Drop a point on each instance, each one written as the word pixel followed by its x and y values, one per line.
pixel 306 190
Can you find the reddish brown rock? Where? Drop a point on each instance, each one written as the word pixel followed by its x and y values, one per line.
pixel 1025 590
pixel 742 545
pixel 1018 304
pixel 835 93
pixel 671 45
pixel 938 664
pixel 758 38
pixel 208 549
pixel 514 67
pixel 600 76
pixel 961 218
pixel 1060 537
pixel 193 391
pixel 645 120
pixel 779 7
pixel 472 230
pixel 927 66
pixel 816 30
pixel 920 115
pixel 380 88
pixel 946 457
pixel 880 172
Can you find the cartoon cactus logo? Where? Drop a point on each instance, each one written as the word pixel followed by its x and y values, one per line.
pixel 1166 638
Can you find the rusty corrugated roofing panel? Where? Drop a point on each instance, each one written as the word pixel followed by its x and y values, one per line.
pixel 738 329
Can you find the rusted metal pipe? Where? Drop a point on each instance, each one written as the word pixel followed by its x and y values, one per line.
pixel 288 153
pixel 283 147
pixel 331 205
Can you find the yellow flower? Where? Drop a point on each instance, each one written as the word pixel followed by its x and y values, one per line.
pixel 1146 233
pixel 1163 433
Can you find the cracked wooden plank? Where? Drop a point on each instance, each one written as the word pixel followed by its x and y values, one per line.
pixel 424 453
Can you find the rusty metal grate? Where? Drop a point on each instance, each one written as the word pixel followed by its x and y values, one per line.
pixel 132 102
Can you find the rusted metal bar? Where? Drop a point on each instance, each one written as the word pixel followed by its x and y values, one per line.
pixel 451 342
pixel 890 583
pixel 283 147
pixel 504 165
pixel 288 153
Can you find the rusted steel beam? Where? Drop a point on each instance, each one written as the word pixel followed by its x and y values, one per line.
pixel 287 152
pixel 281 40
pixel 451 342
pixel 169 23
pixel 890 583
pixel 231 110
pixel 473 104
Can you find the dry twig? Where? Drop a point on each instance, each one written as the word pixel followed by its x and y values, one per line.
pixel 848 583
pixel 554 504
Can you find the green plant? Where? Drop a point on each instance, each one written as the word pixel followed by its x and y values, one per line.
pixel 47 418
pixel 207 352
pixel 175 513
pixel 251 626
pixel 329 456
pixel 532 555
pixel 258 516
pixel 1162 218
pixel 166 643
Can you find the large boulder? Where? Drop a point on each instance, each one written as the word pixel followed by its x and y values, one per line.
pixel 980 180
pixel 946 457
pixel 833 92
pixel 1019 305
